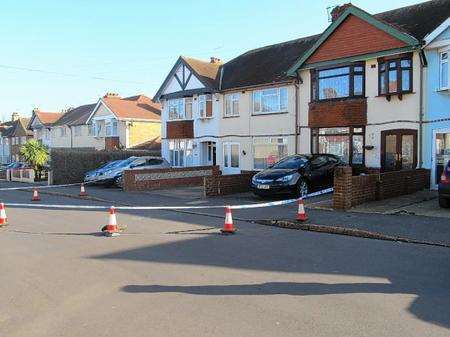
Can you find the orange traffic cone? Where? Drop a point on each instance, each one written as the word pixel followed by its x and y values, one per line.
pixel 228 227
pixel 35 196
pixel 111 229
pixel 301 214
pixel 3 218
pixel 83 192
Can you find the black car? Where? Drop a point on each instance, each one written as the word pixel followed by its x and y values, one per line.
pixel 297 175
pixel 444 187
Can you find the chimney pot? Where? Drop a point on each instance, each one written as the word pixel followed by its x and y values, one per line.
pixel 215 60
pixel 15 116
pixel 338 10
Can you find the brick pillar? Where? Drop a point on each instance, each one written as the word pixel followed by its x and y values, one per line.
pixel 342 197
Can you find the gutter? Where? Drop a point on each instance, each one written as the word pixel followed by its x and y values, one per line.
pixel 296 85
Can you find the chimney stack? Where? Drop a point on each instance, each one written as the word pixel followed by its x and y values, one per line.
pixel 215 60
pixel 15 116
pixel 111 95
pixel 338 10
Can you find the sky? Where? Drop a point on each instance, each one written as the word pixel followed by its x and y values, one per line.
pixel 57 54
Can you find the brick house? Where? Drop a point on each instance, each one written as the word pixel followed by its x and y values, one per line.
pixel 356 91
pixel 40 124
pixel 361 95
pixel 111 123
pixel 14 134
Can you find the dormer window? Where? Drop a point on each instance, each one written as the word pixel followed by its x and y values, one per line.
pixel 395 76
pixel 339 82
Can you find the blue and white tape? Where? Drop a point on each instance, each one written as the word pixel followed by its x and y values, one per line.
pixel 248 206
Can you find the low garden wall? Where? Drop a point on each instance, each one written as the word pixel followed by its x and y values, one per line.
pixel 70 165
pixel 148 179
pixel 228 184
pixel 351 190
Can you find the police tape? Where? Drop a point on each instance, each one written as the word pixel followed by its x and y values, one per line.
pixel 248 206
pixel 40 187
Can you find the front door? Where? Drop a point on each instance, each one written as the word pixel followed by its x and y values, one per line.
pixel 210 155
pixel 398 150
pixel 231 158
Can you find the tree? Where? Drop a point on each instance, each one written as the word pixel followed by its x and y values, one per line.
pixel 35 154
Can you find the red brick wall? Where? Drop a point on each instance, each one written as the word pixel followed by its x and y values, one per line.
pixel 180 129
pixel 354 190
pixel 354 37
pixel 348 112
pixel 228 184
pixel 142 180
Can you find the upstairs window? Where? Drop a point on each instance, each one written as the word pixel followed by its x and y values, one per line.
pixel 111 128
pixel 188 107
pixel 176 108
pixel 395 76
pixel 205 106
pixel 443 70
pixel 91 129
pixel 231 105
pixel 62 132
pixel 341 82
pixel 270 100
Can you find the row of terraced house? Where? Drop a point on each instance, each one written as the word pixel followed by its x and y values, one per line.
pixel 372 89
pixel 112 123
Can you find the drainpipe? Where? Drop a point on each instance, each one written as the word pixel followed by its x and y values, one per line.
pixel 296 85
pixel 421 110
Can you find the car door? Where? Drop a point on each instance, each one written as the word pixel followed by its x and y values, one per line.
pixel 319 171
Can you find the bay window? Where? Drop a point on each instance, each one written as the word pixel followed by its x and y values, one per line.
pixel 271 100
pixel 443 70
pixel 268 150
pixel 232 105
pixel 180 152
pixel 344 142
pixel 111 127
pixel 188 107
pixel 395 76
pixel 341 82
pixel 205 106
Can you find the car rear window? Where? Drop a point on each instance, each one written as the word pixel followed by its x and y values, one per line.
pixel 155 161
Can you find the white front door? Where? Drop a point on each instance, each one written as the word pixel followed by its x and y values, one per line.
pixel 440 154
pixel 231 158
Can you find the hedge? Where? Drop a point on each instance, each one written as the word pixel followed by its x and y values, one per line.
pixel 70 165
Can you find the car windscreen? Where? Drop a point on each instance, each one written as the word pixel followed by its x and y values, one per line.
pixel 291 163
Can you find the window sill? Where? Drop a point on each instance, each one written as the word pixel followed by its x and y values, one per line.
pixel 270 113
pixel 235 116
pixel 443 90
pixel 205 118
pixel 339 99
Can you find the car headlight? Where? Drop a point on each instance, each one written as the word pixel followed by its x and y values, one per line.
pixel 285 179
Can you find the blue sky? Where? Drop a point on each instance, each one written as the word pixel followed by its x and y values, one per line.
pixel 57 54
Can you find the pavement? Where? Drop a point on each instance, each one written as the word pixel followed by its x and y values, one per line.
pixel 172 274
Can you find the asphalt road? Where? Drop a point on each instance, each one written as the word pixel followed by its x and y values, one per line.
pixel 172 274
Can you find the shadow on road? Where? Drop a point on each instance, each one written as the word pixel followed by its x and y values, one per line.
pixel 300 254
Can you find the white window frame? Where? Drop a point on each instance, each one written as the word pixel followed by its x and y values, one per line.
pixel 267 141
pixel 111 127
pixel 175 109
pixel 257 97
pixel 62 131
pixel 188 101
pixel 202 105
pixel 180 152
pixel 232 110
pixel 77 130
pixel 441 62
pixel 91 129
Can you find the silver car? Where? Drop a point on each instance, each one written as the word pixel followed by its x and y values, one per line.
pixel 115 174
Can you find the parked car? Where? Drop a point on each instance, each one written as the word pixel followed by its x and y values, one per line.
pixel 93 176
pixel 296 175
pixel 14 165
pixel 444 187
pixel 113 175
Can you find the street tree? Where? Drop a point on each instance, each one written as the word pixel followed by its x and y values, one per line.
pixel 36 155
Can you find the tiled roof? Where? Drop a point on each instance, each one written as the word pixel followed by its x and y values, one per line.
pixel 47 118
pixel 13 127
pixel 264 65
pixel 76 116
pixel 207 72
pixel 136 107
pixel 418 20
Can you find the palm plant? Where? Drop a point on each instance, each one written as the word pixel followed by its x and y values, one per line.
pixel 36 155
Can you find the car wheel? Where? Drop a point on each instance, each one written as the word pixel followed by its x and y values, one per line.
pixel 302 188
pixel 119 182
pixel 444 202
